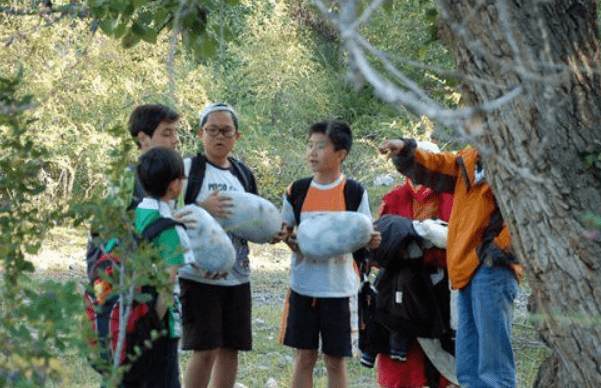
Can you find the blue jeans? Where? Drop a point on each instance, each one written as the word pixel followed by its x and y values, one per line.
pixel 483 350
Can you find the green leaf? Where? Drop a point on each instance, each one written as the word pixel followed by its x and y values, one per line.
pixel 150 36
pixel 431 15
pixel 451 82
pixel 128 10
pixel 159 16
pixel 143 298
pixel 388 7
pixel 120 30
pixel 205 47
pixel 130 40
pixel 26 266
pixel 106 26
pixel 138 29
pixel 145 18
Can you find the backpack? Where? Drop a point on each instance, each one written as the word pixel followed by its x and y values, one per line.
pixel 373 337
pixel 104 309
pixel 408 302
pixel 197 174
pixel 353 194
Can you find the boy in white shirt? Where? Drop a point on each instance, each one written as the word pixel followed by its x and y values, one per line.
pixel 319 302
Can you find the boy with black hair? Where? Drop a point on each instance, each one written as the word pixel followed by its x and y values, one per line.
pixel 161 174
pixel 219 327
pixel 319 300
pixel 152 125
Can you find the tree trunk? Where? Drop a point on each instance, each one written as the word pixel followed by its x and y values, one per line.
pixel 534 156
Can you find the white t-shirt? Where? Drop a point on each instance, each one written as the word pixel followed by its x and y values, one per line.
pixel 332 278
pixel 222 179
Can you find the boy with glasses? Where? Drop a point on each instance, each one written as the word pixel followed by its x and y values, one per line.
pixel 217 309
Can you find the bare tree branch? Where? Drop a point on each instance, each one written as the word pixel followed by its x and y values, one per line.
pixel 399 90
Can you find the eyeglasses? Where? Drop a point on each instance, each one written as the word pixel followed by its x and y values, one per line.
pixel 227 132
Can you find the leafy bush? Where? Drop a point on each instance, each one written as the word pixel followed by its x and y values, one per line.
pixel 37 320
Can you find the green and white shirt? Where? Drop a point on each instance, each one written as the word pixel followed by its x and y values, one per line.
pixel 171 242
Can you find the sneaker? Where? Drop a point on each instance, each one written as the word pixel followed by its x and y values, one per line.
pixel 398 355
pixel 368 360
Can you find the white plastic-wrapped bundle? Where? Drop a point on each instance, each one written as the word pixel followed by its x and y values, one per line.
pixel 212 248
pixel 434 231
pixel 323 235
pixel 252 217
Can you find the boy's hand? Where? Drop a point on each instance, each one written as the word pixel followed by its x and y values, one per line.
pixel 376 239
pixel 184 216
pixel 281 234
pixel 391 147
pixel 215 275
pixel 290 240
pixel 217 205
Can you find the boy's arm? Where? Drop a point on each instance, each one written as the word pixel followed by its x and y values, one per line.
pixel 288 235
pixel 376 237
pixel 437 171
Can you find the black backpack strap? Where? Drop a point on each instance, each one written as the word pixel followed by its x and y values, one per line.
pixel 298 192
pixel 156 227
pixel 244 175
pixel 197 174
pixel 353 194
pixel 138 194
pixel 195 178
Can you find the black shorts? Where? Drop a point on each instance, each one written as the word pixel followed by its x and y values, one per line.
pixel 309 317
pixel 215 316
pixel 160 367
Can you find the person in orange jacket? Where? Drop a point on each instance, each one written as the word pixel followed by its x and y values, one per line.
pixel 480 260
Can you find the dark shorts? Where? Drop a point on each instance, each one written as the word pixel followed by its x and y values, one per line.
pixel 215 316
pixel 161 367
pixel 309 317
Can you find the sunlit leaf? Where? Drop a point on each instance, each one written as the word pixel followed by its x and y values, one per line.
pixel 120 30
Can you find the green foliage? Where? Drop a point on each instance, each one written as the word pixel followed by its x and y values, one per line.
pixel 408 32
pixel 38 321
pixel 274 72
pixel 143 20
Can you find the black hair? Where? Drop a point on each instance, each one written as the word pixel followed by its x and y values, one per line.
pixel 157 168
pixel 146 118
pixel 339 133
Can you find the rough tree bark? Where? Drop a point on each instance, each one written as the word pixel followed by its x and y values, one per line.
pixel 535 157
pixel 546 52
